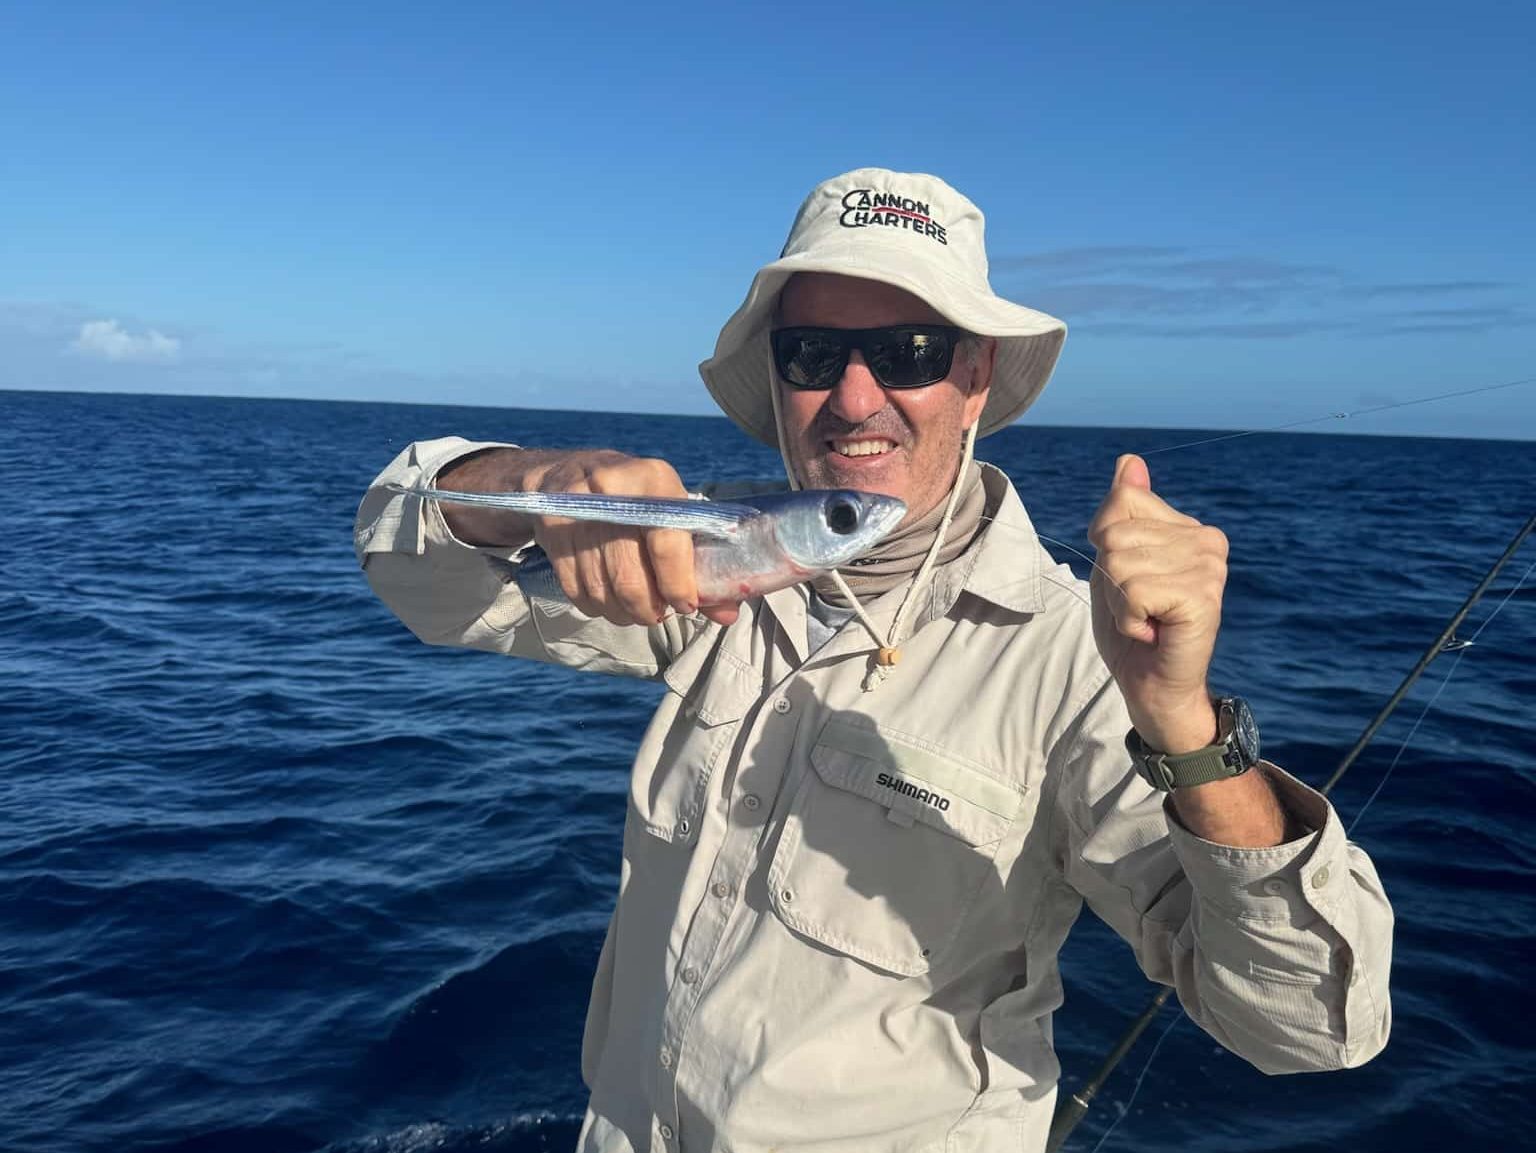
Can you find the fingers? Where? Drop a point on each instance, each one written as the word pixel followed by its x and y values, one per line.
pixel 630 576
pixel 1132 471
pixel 671 557
pixel 1148 602
pixel 1159 544
pixel 1155 567
pixel 607 571
pixel 1179 580
pixel 1130 497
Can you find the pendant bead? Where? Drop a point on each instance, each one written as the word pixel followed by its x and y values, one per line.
pixel 887 657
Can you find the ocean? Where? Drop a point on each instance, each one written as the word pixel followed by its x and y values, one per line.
pixel 276 877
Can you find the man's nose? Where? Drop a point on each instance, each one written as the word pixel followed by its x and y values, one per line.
pixel 858 395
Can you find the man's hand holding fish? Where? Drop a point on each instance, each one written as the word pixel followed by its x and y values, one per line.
pixel 625 574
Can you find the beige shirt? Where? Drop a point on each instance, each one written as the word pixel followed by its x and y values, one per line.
pixel 839 911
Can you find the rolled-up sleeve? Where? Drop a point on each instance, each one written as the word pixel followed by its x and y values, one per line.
pixel 1282 954
pixel 451 593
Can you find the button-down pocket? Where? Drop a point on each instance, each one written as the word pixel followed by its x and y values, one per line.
pixel 709 691
pixel 886 845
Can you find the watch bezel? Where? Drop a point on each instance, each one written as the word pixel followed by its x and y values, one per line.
pixel 1245 730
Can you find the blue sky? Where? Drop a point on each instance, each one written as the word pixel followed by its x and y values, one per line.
pixel 1248 214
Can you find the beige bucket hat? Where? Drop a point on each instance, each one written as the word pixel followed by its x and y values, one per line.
pixel 906 229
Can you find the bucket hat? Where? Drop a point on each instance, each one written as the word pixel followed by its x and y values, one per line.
pixel 905 229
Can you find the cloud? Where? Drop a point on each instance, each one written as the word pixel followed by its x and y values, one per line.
pixel 1087 260
pixel 65 346
pixel 1141 290
pixel 1467 315
pixel 109 340
pixel 1259 330
pixel 1431 288
pixel 1247 270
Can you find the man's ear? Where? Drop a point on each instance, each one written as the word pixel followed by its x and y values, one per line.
pixel 983 360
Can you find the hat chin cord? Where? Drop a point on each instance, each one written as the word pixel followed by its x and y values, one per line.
pixel 888 649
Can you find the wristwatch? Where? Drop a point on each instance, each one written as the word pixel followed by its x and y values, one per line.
pixel 1235 752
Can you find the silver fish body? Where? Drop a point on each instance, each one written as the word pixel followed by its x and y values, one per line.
pixel 742 548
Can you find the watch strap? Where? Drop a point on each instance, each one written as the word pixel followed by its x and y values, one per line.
pixel 1167 771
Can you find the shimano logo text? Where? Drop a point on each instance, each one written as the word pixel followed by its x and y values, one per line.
pixel 908 789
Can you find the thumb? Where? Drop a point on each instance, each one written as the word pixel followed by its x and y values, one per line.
pixel 1132 471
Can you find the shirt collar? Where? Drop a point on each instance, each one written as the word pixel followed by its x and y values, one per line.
pixel 1003 565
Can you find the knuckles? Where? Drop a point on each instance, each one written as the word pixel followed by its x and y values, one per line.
pixel 619 475
pixel 1215 541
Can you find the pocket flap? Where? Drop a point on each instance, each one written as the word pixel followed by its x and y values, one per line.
pixel 915 783
pixel 716 687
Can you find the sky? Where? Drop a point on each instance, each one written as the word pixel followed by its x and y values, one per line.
pixel 1248 214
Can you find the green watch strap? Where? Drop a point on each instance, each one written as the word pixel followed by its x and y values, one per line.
pixel 1167 771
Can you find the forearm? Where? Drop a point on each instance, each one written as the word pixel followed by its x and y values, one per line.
pixel 1242 812
pixel 494 470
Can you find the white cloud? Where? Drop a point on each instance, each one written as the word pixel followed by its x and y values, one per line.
pixel 111 341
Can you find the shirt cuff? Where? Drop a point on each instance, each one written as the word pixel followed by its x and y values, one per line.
pixel 1276 883
pixel 401 523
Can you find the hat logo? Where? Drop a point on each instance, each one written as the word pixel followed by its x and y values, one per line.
pixel 864 208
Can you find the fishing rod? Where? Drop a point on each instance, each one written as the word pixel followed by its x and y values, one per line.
pixel 1072 1110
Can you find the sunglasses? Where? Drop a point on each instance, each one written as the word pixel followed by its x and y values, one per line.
pixel 900 356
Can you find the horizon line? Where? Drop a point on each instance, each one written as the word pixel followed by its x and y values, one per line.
pixel 1289 429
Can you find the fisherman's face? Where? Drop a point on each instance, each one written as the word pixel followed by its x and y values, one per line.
pixel 917 432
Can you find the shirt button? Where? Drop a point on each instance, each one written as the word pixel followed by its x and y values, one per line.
pixel 781 705
pixel 666 1058
pixel 683 826
pixel 1320 878
pixel 1274 887
pixel 666 1132
pixel 690 975
pixel 751 802
pixel 722 890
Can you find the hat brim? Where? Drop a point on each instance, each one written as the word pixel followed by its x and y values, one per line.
pixel 741 371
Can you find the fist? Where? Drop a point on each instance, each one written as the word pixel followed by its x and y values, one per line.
pixel 624 574
pixel 1157 588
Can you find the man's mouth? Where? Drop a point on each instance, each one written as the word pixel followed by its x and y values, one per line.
pixel 868 446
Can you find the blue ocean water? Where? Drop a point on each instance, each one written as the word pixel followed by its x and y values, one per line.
pixel 276 877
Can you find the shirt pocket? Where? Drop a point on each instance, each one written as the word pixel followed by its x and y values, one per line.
pixel 709 691
pixel 886 845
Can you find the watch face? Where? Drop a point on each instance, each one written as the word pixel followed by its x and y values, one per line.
pixel 1245 730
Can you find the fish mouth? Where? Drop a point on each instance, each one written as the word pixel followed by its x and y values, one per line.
pixel 882 514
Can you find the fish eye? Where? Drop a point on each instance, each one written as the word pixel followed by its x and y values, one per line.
pixel 842 515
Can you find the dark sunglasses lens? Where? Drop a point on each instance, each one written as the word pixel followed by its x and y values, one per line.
pixel 905 359
pixel 809 360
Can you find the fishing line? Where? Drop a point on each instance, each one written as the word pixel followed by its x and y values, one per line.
pixel 1125 1112
pixel 1071 1110
pixel 1461 652
pixel 1341 415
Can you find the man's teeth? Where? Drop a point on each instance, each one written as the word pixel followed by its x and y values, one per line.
pixel 863 447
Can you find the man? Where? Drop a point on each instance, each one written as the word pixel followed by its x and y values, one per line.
pixel 867 812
